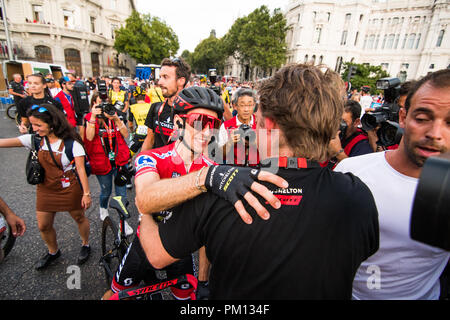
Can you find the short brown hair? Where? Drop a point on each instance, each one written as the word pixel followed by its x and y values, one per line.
pixel 307 104
pixel 439 79
pixel 183 69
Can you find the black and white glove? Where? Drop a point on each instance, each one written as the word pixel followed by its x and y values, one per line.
pixel 230 182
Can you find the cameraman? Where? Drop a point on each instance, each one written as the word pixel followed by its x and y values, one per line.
pixel 233 133
pixel 350 141
pixel 107 151
pixel 404 269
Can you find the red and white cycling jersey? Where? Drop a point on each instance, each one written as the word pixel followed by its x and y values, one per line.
pixel 167 163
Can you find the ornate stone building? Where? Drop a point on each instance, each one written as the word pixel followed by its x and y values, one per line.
pixel 408 38
pixel 76 34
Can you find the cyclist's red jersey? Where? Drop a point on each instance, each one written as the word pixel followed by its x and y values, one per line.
pixel 167 163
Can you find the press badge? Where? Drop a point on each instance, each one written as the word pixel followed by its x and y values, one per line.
pixel 65 182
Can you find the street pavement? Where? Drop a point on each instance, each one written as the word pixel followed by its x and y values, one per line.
pixel 18 278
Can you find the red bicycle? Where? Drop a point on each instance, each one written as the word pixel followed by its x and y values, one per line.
pixel 146 291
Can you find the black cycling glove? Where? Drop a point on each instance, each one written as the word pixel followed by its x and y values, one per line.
pixel 203 290
pixel 230 183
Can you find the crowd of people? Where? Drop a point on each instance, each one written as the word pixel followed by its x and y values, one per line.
pixel 277 185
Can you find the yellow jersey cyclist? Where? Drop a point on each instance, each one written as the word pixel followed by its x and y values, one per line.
pixel 138 114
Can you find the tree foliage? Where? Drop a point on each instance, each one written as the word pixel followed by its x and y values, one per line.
pixel 146 39
pixel 208 54
pixel 366 75
pixel 258 39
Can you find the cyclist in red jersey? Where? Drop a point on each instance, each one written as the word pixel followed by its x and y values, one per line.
pixel 196 107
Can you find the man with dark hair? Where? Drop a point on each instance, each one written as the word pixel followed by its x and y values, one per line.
pixel 66 99
pixel 350 141
pixel 174 76
pixel 326 224
pixel 404 269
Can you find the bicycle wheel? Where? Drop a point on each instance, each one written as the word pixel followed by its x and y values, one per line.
pixel 113 249
pixel 11 112
pixel 7 242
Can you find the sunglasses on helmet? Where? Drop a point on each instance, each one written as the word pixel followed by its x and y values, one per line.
pixel 39 108
pixel 197 119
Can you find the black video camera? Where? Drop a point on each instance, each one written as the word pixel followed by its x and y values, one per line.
pixel 343 130
pixel 387 117
pixel 213 79
pixel 106 107
pixel 247 133
pixel 430 220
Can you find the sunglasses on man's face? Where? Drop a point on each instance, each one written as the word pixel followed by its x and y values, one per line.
pixel 203 121
pixel 39 109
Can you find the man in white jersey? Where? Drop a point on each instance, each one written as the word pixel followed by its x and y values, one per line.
pixel 403 268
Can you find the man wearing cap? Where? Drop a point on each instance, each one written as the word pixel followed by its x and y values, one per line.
pixel 52 87
pixel 66 99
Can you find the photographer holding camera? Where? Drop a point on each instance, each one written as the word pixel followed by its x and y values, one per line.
pixel 403 268
pixel 237 136
pixel 350 141
pixel 107 149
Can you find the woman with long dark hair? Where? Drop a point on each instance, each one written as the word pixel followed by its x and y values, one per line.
pixel 66 186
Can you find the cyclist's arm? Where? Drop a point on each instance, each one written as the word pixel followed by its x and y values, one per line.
pixel 155 195
pixel 151 242
pixel 149 141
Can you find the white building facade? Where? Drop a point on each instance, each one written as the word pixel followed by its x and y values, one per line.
pixel 408 38
pixel 77 34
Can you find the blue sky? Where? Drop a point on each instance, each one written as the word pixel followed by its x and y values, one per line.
pixel 193 20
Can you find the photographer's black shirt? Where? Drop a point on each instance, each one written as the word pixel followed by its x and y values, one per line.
pixel 26 103
pixel 160 120
pixel 311 248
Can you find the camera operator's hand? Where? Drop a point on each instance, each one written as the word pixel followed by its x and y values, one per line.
pixel 232 183
pixel 234 137
pixel 335 148
pixel 96 111
pixel 114 118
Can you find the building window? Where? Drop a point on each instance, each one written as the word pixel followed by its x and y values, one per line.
pixel 313 59
pixel 95 64
pixel 92 24
pixel 338 65
pixel 348 17
pixel 411 40
pixel 113 4
pixel 432 66
pixel 395 21
pixel 38 14
pixel 299 18
pixel 317 34
pixel 344 38
pixel 440 38
pixel 385 66
pixel 356 38
pixel 404 41
pixel 306 59
pixel 68 18
pixel 418 40
pixel 384 42
pixel 390 41
pixel 114 27
pixel 377 41
pixel 320 60
pixel 43 54
pixel 73 61
pixel 328 16
pixel 397 39
pixel 371 41
pixel 361 17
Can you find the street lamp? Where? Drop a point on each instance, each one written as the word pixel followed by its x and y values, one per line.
pixel 8 39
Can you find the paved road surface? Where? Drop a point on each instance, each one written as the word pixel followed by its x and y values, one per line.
pixel 18 279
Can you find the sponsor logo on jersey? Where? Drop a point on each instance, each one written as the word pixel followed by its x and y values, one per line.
pixel 145 162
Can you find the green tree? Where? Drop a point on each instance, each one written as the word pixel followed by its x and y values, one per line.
pixel 209 54
pixel 258 39
pixel 146 39
pixel 366 75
